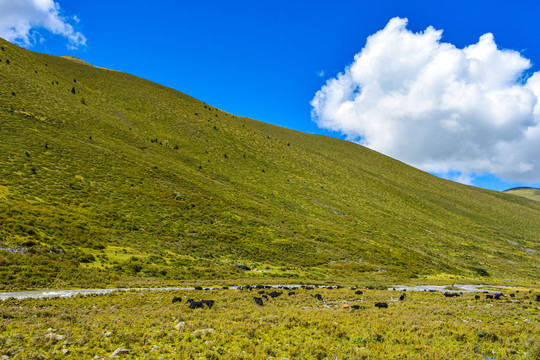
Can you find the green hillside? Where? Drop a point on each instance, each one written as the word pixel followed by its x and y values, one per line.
pixel 526 192
pixel 106 178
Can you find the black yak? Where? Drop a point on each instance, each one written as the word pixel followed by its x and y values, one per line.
pixel 275 294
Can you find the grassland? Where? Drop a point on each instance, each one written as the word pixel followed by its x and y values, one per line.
pixel 423 326
pixel 526 192
pixel 107 179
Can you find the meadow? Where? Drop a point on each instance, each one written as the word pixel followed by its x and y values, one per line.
pixel 147 325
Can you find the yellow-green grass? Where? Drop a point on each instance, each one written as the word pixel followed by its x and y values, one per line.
pixel 526 192
pixel 423 326
pixel 92 160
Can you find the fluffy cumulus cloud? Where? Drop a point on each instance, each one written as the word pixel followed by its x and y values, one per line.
pixel 21 19
pixel 437 107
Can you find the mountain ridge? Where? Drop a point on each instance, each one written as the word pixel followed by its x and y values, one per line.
pixel 108 175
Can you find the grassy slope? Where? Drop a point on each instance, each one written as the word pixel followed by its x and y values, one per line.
pixel 526 192
pixel 127 178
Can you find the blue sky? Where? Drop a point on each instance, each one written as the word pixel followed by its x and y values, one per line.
pixel 268 59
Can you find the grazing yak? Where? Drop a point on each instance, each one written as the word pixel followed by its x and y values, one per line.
pixel 402 297
pixel 176 299
pixel 196 305
pixel 275 294
pixel 381 305
pixel 359 292
pixel 355 307
pixel 318 297
pixel 292 293
pixel 200 304
pixel 258 301
pixel 476 297
pixel 447 294
pixel 209 303
pixel 489 296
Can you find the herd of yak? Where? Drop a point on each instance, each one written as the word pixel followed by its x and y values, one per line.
pixel 266 296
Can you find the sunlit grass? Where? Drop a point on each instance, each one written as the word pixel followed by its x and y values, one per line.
pixel 189 191
pixel 423 326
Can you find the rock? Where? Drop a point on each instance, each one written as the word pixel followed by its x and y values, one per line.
pixel 54 337
pixel 119 351
pixel 65 351
pixel 180 326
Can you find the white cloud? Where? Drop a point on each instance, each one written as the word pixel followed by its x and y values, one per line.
pixel 437 107
pixel 21 19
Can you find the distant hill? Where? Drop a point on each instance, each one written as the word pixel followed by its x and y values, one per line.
pixel 527 192
pixel 106 178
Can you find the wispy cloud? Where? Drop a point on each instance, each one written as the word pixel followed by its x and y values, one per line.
pixel 437 107
pixel 22 20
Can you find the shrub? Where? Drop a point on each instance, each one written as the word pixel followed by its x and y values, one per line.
pixel 480 271
pixel 87 258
